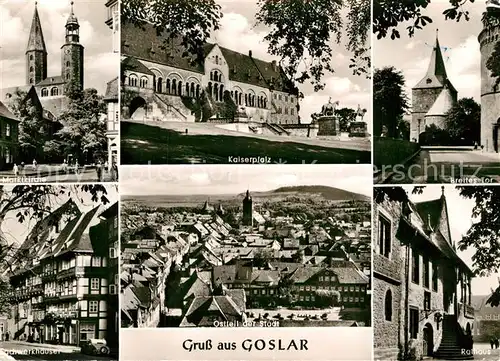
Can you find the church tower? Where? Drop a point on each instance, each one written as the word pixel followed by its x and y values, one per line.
pixel 72 53
pixel 427 91
pixel 36 52
pixel 247 210
pixel 490 97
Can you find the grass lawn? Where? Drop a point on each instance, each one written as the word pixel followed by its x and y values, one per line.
pixel 391 152
pixel 143 144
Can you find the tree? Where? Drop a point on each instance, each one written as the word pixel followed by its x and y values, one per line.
pixel 327 298
pixel 33 128
pixel 390 101
pixel 404 129
pixel 434 135
pixel 84 130
pixel 389 14
pixel 346 116
pixel 191 21
pixel 301 31
pixel 463 121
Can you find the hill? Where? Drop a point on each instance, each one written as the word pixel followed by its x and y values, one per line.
pixel 329 193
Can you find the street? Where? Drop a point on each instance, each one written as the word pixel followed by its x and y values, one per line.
pixel 52 173
pixel 450 166
pixel 17 350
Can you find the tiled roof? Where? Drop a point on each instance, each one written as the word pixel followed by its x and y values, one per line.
pixel 443 103
pixel 203 311
pixel 6 113
pixel 132 64
pixel 52 80
pixel 350 276
pixel 35 39
pixel 112 90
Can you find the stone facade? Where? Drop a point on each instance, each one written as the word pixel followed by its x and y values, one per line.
pixel 490 98
pixel 415 281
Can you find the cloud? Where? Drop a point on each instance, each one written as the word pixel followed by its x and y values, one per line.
pixel 236 33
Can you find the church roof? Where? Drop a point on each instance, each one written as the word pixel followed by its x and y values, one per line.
pixel 147 44
pixel 6 113
pixel 72 19
pixel 52 80
pixel 35 40
pixel 443 103
pixel 436 75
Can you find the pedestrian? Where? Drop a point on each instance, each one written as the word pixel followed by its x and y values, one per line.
pixel 34 164
pixel 16 170
pixel 99 171
pixel 76 166
pixel 114 172
pixel 186 131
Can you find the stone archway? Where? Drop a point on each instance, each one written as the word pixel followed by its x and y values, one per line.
pixel 428 336
pixel 137 108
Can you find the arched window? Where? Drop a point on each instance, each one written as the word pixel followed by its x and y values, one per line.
pixel 54 92
pixel 179 88
pixel 210 88
pixel 246 100
pixel 31 68
pixel 240 99
pixel 7 130
pixel 144 82
pixel 159 85
pixel 198 91
pixel 132 80
pixel 216 59
pixel 167 86
pixel 67 63
pixel 388 305
pixel 216 92
pixel 31 56
pixel 221 93
pixel 67 76
pixel 31 80
pixel 211 75
pixel 174 86
pixel 236 97
pixel 187 89
pixel 216 76
pixel 192 92
pixel 45 92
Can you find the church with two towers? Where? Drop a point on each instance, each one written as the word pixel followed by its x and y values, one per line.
pixel 50 89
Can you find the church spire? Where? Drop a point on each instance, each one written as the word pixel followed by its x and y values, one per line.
pixel 36 52
pixel 436 65
pixel 35 40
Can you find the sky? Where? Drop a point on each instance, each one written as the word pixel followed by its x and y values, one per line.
pixel 17 232
pixel 459 213
pixel 459 46
pixel 240 33
pixel 235 179
pixel 101 64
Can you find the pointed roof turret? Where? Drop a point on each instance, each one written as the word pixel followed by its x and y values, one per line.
pixel 436 75
pixel 35 40
pixel 443 103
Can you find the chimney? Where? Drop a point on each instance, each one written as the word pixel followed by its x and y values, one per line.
pixel 250 53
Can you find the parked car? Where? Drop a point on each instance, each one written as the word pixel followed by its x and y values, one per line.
pixel 95 346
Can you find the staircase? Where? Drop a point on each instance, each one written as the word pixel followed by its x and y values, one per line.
pixel 274 129
pixel 283 130
pixel 451 347
pixel 168 110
